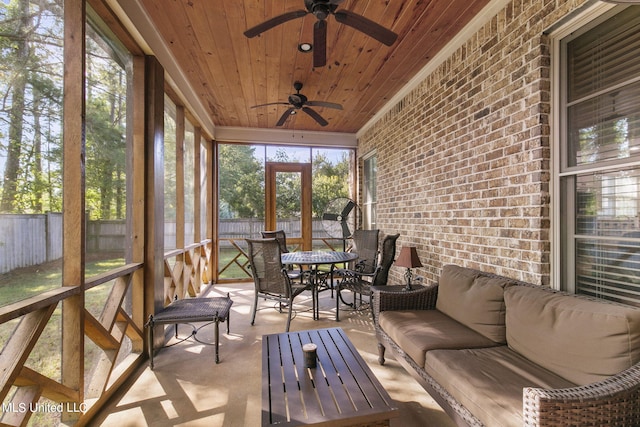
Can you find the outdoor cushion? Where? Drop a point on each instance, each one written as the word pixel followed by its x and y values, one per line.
pixel 419 331
pixel 584 341
pixel 489 381
pixel 475 301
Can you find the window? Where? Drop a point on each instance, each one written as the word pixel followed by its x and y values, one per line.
pixel 599 170
pixel 170 183
pixel 31 83
pixel 189 184
pixel 241 196
pixel 108 77
pixel 369 195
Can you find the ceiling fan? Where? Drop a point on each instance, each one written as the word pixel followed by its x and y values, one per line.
pixel 322 9
pixel 298 101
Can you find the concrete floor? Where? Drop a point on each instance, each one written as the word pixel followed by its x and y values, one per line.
pixel 187 388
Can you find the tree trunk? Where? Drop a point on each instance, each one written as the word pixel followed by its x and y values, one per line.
pixel 16 114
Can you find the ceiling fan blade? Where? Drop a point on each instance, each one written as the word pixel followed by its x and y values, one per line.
pixel 317 117
pixel 320 43
pixel 367 26
pixel 285 116
pixel 270 103
pixel 324 104
pixel 273 22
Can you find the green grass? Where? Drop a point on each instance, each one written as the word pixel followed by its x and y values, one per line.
pixel 26 282
pixel 234 271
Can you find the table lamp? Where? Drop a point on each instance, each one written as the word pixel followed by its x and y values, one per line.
pixel 408 258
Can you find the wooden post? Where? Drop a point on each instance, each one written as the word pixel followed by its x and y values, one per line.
pixel 154 191
pixel 73 242
pixel 136 218
pixel 212 207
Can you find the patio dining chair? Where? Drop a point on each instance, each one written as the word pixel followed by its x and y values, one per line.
pixel 365 244
pixel 360 284
pixel 270 277
pixel 281 237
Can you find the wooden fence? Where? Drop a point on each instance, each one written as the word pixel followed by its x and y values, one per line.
pixel 28 240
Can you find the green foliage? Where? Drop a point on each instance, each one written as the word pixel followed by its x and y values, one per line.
pixel 30 121
pixel 241 182
pixel 105 130
pixel 329 181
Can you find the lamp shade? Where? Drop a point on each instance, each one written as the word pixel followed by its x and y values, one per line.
pixel 408 258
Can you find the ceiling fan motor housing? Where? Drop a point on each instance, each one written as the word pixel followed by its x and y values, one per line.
pixel 297 100
pixel 321 9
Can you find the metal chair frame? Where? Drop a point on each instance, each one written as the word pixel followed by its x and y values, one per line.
pixel 360 283
pixel 270 277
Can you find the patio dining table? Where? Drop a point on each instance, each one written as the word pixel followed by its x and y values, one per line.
pixel 311 261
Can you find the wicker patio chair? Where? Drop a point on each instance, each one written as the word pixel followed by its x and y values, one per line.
pixel 365 244
pixel 360 284
pixel 281 237
pixel 270 277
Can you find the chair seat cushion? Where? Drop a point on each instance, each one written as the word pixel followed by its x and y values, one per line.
pixel 419 331
pixel 489 381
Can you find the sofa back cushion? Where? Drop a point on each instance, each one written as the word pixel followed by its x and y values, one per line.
pixel 474 299
pixel 581 340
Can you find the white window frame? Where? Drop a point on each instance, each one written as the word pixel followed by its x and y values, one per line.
pixel 559 279
pixel 366 205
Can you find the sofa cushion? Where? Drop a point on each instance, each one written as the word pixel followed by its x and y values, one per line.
pixel 581 340
pixel 489 381
pixel 418 331
pixel 475 300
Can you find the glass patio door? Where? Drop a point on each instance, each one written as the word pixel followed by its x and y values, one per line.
pixel 288 202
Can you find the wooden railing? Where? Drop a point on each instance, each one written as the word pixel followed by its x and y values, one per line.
pixel 120 321
pixel 185 270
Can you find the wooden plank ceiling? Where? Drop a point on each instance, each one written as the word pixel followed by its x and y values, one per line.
pixel 231 73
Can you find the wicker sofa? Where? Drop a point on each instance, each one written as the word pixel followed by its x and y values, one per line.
pixel 493 351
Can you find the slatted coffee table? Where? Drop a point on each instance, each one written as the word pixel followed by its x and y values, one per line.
pixel 340 391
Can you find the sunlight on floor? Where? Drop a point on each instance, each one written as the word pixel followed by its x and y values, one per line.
pixel 187 387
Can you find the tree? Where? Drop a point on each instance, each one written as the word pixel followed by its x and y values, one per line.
pixel 241 181
pixel 330 180
pixel 30 118
pixel 105 131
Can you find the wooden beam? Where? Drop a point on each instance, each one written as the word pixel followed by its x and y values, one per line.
pixel 17 349
pixel 51 389
pixel 136 125
pixel 154 190
pixel 73 239
pixel 37 302
pixel 98 334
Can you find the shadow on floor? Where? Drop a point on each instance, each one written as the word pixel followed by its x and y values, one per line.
pixel 187 388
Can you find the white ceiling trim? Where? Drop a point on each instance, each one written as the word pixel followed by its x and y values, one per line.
pixel 489 11
pixel 287 137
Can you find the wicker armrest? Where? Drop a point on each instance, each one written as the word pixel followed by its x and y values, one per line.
pixel 614 401
pixel 419 298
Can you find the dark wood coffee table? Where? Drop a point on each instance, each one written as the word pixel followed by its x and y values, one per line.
pixel 340 391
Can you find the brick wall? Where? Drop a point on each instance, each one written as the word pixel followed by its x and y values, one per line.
pixel 464 159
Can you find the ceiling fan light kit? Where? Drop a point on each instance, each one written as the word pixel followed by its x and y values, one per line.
pixel 321 9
